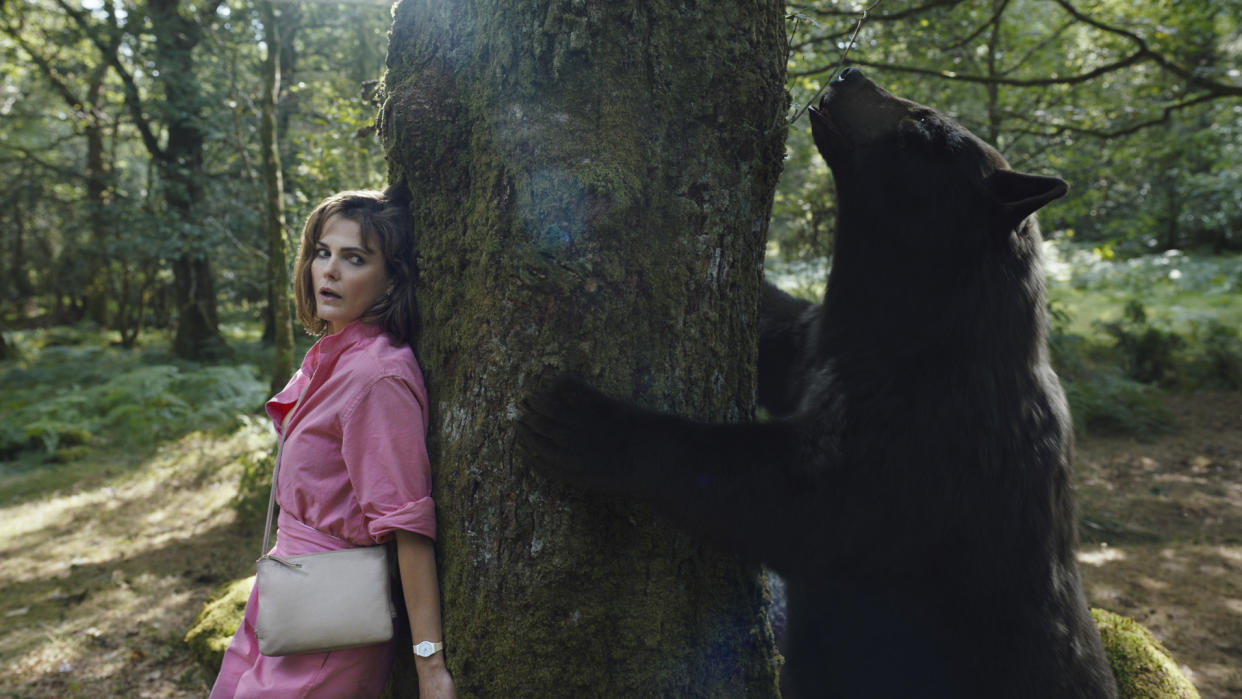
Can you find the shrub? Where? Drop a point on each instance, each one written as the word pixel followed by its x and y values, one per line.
pixel 1148 354
pixel 1218 360
pixel 1102 397
pixel 1108 401
pixel 71 395
pixel 255 485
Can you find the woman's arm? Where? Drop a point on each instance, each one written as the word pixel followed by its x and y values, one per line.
pixel 416 559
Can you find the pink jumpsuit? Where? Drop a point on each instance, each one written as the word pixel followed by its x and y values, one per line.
pixel 354 469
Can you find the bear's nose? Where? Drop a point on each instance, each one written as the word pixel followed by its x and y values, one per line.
pixel 849 75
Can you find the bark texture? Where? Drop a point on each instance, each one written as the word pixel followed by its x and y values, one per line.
pixel 177 34
pixel 592 182
pixel 274 194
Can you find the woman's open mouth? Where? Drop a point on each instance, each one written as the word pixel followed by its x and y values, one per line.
pixel 329 295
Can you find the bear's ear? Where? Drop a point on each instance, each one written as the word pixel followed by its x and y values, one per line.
pixel 1019 195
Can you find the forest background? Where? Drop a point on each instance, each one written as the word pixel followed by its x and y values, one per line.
pixel 160 155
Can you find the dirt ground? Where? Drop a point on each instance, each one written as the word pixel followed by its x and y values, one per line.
pixel 101 575
pixel 1162 535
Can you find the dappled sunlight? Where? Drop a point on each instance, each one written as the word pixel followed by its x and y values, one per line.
pixel 101 583
pixel 182 490
pixel 1164 586
pixel 1163 516
pixel 1101 555
pixel 130 621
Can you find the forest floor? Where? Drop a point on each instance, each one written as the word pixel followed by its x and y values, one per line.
pixel 1162 534
pixel 104 562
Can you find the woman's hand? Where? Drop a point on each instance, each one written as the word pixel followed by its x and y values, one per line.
pixel 434 680
pixel 416 557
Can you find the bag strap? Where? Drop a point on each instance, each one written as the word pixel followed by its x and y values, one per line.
pixel 280 447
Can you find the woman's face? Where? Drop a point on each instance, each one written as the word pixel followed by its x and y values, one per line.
pixel 347 276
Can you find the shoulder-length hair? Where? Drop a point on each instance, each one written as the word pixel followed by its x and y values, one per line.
pixel 384 218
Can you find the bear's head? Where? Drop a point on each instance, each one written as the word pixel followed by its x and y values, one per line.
pixel 905 169
pixel 934 229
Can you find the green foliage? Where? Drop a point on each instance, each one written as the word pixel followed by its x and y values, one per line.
pixel 1218 359
pixel 804 278
pixel 1122 329
pixel 1154 163
pixel 1147 353
pixel 1101 397
pixel 1108 402
pixel 255 486
pixel 104 248
pixel 77 392
pixel 1111 380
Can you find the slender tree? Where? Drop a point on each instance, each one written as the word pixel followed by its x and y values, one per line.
pixel 178 31
pixel 592 184
pixel 277 270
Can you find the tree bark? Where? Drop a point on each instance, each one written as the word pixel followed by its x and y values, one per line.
pixel 20 276
pixel 277 269
pixel 592 183
pixel 197 334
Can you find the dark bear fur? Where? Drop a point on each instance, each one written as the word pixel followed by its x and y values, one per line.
pixel 914 487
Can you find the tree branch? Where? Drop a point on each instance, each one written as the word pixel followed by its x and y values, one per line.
pixel 987 79
pixel 890 17
pixel 1142 52
pixel 133 99
pixel 996 17
pixel 53 76
pixel 1145 51
pixel 809 10
pixel 1166 115
pixel 31 156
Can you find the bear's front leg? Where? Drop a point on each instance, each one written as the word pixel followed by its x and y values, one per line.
pixel 574 433
pixel 742 486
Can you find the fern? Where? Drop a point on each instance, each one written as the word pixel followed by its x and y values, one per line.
pixel 71 393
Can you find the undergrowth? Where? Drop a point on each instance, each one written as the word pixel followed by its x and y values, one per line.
pixel 1124 331
pixel 68 391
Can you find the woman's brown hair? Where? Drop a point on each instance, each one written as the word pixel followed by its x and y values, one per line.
pixel 384 218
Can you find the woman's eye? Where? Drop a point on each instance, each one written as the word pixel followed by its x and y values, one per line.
pixel 356 259
pixel 321 252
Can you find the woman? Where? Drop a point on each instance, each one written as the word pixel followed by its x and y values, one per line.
pixel 354 469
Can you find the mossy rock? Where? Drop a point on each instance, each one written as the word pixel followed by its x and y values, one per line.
pixel 213 630
pixel 214 627
pixel 1143 667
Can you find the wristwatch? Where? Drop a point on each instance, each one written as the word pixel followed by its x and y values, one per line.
pixel 426 649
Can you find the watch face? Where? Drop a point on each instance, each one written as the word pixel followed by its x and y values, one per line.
pixel 424 649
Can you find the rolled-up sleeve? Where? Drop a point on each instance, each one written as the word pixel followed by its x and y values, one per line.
pixel 384 447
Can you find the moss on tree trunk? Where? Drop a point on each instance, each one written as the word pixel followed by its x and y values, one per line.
pixel 592 183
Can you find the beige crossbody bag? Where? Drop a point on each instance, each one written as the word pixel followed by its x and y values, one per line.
pixel 317 602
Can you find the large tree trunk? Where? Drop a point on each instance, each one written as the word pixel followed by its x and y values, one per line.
pixel 592 183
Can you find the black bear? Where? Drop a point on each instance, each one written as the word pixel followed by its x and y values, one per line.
pixel 913 488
